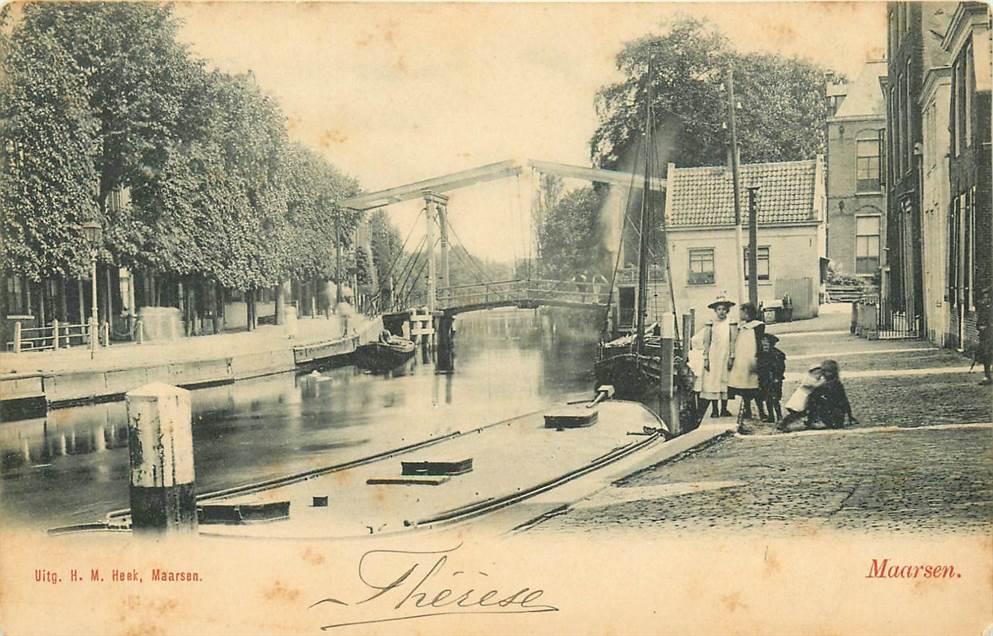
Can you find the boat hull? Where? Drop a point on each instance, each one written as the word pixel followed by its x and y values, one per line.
pixel 373 496
pixel 633 376
pixel 380 358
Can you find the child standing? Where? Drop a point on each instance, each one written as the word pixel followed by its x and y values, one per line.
pixel 743 379
pixel 771 368
pixel 718 343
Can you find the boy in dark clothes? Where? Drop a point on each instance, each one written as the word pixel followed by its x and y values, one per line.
pixel 771 369
pixel 828 402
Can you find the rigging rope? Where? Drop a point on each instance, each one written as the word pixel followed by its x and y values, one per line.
pixel 378 296
pixel 475 261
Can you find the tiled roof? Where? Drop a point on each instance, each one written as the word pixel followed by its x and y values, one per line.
pixel 705 196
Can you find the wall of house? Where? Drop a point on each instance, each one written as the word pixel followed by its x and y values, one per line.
pixel 844 201
pixel 935 216
pixel 794 253
pixel 971 168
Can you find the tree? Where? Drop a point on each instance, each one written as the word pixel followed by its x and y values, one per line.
pixel 570 237
pixel 550 188
pixel 782 114
pixel 313 187
pixel 47 174
pixel 387 246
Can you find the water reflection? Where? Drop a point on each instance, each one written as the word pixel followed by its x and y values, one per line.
pixel 73 464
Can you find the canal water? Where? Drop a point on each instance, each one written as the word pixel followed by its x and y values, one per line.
pixel 72 466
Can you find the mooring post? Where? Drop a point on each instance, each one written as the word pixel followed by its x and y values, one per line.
pixel 668 398
pixel 160 441
pixel 687 333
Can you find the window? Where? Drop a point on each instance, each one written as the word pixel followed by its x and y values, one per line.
pixel 970 249
pixel 894 138
pixel 866 244
pixel 701 267
pixel 892 34
pixel 953 253
pixel 14 296
pixel 967 85
pixel 761 263
pixel 908 130
pixel 957 106
pixel 867 165
pixel 901 122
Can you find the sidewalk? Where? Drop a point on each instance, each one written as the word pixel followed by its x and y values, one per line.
pixel 131 355
pixel 921 458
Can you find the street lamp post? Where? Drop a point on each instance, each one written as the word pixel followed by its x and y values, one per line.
pixel 93 232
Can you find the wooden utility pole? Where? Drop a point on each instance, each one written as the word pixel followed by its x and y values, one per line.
pixel 753 246
pixel 736 182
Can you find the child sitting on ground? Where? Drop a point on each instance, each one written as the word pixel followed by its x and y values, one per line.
pixel 796 406
pixel 826 401
pixel 771 369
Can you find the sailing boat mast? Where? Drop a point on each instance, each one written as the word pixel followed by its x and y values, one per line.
pixel 645 222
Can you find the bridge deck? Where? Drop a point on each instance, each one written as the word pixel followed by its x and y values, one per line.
pixel 524 293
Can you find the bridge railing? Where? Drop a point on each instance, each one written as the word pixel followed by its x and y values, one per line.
pixel 480 294
pixel 533 290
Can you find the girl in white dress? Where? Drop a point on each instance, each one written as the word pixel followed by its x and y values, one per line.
pixel 718 342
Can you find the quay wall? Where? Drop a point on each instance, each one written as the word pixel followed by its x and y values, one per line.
pixel 28 394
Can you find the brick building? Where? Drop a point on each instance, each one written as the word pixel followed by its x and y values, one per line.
pixel 856 196
pixel 914 44
pixel 970 236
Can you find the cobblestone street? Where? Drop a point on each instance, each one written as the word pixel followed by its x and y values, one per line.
pixel 921 459
pixel 906 481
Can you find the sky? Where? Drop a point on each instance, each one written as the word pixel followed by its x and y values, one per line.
pixel 394 93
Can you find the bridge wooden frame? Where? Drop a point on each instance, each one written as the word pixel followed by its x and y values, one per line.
pixel 525 293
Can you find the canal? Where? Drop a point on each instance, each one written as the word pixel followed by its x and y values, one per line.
pixel 72 466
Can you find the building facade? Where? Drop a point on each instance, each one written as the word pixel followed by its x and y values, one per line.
pixel 914 34
pixel 856 183
pixel 934 229
pixel 970 235
pixel 791 236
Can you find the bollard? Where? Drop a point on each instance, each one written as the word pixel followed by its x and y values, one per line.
pixel 139 332
pixel 160 441
pixel 290 321
pixel 105 333
pixel 55 335
pixel 17 337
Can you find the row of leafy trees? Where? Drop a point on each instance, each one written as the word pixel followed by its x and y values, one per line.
pixel 782 117
pixel 96 98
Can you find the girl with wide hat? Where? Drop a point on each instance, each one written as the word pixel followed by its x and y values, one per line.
pixel 718 343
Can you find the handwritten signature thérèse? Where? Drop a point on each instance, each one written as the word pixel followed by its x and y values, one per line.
pixel 409 584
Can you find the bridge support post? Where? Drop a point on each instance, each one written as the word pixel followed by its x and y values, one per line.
pixel 435 213
pixel 444 329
